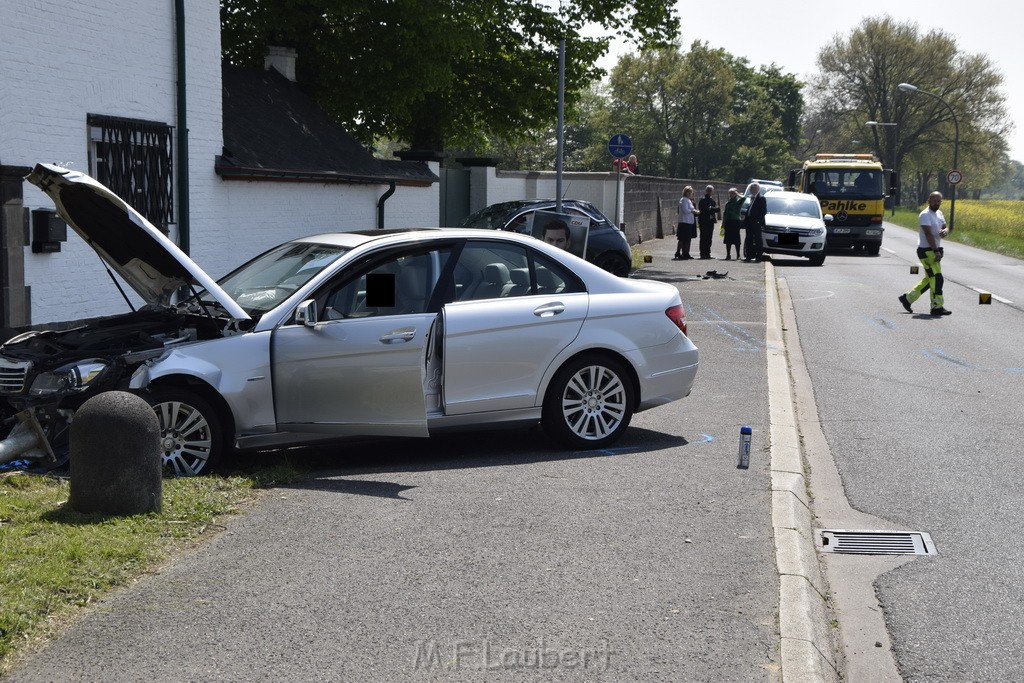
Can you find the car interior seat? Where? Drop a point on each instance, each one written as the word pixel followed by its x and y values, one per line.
pixel 547 283
pixel 495 281
pixel 412 290
pixel 520 282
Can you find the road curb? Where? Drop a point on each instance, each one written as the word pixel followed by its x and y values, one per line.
pixel 808 646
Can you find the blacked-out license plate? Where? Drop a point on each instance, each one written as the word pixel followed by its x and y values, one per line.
pixel 789 238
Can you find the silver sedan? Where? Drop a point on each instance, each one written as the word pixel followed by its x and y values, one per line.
pixel 396 333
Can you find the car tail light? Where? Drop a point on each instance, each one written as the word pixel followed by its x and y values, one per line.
pixel 677 314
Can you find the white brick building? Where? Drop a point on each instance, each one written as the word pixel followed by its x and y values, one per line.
pixel 74 73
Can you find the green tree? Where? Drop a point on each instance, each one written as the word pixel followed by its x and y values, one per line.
pixel 644 102
pixel 433 72
pixel 706 114
pixel 859 78
pixel 764 130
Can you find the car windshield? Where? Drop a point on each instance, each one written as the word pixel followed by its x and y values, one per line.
pixel 790 206
pixel 267 280
pixel 846 181
pixel 765 189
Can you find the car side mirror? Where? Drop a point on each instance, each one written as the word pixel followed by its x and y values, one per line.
pixel 305 314
pixel 827 218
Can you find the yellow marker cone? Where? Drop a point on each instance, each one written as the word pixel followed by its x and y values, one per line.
pixel 914 270
pixel 984 297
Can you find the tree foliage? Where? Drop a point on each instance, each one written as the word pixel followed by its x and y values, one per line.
pixel 704 113
pixel 431 72
pixel 859 81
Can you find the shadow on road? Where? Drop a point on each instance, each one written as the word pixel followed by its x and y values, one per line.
pixel 327 465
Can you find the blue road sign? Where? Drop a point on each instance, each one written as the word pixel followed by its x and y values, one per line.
pixel 620 146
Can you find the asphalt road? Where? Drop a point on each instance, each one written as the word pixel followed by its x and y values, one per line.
pixel 923 418
pixel 489 556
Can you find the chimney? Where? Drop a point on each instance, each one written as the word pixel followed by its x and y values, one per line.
pixel 282 59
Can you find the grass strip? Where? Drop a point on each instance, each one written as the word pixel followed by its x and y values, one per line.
pixel 54 561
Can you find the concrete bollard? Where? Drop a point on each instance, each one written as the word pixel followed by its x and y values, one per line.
pixel 115 461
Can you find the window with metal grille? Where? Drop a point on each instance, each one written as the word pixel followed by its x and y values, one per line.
pixel 134 159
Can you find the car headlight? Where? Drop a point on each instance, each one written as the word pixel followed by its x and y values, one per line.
pixel 818 232
pixel 69 379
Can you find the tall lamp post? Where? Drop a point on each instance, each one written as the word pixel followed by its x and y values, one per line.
pixel 907 87
pixel 895 170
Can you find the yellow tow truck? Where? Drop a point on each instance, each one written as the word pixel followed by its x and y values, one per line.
pixel 852 188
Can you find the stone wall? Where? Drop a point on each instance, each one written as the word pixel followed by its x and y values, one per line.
pixel 119 59
pixel 646 198
pixel 634 202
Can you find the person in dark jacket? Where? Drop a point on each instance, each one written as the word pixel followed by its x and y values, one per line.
pixel 707 213
pixel 753 247
pixel 732 217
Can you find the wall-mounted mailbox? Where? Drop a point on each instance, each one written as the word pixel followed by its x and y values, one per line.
pixel 48 231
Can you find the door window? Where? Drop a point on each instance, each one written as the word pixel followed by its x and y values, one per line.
pixel 396 285
pixel 488 270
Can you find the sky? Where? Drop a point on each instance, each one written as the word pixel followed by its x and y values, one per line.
pixel 791 37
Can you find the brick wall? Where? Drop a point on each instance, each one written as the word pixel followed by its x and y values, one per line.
pixel 645 196
pixel 250 217
pixel 632 201
pixel 63 59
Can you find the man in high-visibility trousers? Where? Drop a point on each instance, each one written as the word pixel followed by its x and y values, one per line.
pixel 929 249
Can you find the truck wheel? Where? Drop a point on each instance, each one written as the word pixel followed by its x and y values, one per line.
pixel 191 436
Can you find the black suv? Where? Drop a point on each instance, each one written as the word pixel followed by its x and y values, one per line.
pixel 606 245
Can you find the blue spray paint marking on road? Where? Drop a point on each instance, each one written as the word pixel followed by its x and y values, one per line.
pixel 748 342
pixel 707 438
pixel 882 323
pixel 614 451
pixel 939 354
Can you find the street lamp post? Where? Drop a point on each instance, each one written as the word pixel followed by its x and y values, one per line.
pixel 907 87
pixel 893 150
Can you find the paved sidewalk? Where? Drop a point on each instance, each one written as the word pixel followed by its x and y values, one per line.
pixel 492 556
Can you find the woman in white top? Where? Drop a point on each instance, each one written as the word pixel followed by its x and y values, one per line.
pixel 686 230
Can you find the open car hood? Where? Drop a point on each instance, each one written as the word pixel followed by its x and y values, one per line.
pixel 149 262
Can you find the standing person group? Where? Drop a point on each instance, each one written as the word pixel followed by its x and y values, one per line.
pixel 929 249
pixel 686 228
pixel 753 246
pixel 707 214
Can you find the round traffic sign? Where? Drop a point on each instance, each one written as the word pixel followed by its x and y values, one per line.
pixel 954 177
pixel 620 146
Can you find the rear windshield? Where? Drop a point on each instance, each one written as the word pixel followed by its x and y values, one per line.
pixel 491 218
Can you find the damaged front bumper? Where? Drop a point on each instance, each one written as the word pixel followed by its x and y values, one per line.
pixel 27 441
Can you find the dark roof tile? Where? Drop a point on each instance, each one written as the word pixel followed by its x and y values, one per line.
pixel 274 130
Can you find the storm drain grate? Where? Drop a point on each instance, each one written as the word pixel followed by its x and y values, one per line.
pixel 851 542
